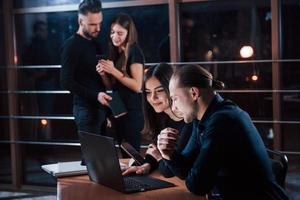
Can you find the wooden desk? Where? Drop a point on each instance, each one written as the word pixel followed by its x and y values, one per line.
pixel 81 188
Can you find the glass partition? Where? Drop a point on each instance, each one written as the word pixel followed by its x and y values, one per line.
pixel 217 30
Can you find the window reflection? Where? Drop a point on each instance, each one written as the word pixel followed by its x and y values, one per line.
pixel 40 36
pixel 217 30
pixel 37 3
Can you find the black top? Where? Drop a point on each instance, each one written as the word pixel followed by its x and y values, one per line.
pixel 78 72
pixel 131 99
pixel 185 131
pixel 226 152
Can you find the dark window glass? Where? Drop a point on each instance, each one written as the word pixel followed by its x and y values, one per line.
pixel 32 161
pixel 45 104
pixel 5 164
pixel 291 106
pixel 2 53
pixel 3 104
pixel 4 125
pixel 38 79
pixel 3 78
pixel 256 76
pixel 47 130
pixel 40 36
pixel 258 105
pixel 291 137
pixel 291 29
pixel 290 73
pixel 37 3
pixel 217 30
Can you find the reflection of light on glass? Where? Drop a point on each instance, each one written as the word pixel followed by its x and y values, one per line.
pixel 15 60
pixel 254 77
pixel 44 122
pixel 209 55
pixel 246 52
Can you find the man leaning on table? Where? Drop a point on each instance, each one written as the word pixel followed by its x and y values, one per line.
pixel 225 154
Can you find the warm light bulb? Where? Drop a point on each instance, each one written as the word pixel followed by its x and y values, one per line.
pixel 254 77
pixel 246 52
pixel 15 60
pixel 44 122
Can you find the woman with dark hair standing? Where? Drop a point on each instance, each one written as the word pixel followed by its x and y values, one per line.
pixel 123 72
pixel 159 117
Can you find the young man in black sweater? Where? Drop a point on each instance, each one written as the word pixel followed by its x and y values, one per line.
pixel 78 73
pixel 225 154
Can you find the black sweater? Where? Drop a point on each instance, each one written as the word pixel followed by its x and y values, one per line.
pixel 78 72
pixel 226 152
pixel 185 131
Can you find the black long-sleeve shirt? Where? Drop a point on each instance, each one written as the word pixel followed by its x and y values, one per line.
pixel 185 131
pixel 226 152
pixel 78 72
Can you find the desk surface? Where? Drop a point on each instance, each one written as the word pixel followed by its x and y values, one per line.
pixel 81 188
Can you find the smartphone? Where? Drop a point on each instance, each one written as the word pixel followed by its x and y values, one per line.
pixel 116 105
pixel 130 150
pixel 102 56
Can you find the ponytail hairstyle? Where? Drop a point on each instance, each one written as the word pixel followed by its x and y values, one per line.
pixel 196 76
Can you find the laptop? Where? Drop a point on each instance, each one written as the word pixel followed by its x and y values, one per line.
pixel 62 169
pixel 103 166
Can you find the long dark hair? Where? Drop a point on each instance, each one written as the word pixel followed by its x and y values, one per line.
pixel 155 122
pixel 196 76
pixel 127 23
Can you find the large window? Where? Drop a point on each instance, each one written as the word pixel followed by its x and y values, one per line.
pixel 5 161
pixel 40 36
pixel 44 110
pixel 209 33
pixel 290 73
pixel 217 30
pixel 38 3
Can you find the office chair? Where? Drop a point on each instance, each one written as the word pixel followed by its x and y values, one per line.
pixel 279 166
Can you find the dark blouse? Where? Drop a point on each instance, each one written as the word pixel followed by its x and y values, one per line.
pixel 131 99
pixel 185 131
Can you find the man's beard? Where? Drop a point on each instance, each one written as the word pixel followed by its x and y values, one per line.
pixel 193 114
pixel 88 35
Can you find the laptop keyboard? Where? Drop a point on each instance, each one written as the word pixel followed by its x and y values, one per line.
pixel 134 184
